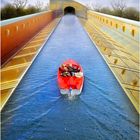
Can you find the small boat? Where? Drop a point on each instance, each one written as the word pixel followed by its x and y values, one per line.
pixel 70 78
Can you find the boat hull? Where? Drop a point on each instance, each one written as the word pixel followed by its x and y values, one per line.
pixel 72 92
pixel 70 85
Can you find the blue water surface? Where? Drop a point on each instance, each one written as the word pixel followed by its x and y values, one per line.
pixel 37 111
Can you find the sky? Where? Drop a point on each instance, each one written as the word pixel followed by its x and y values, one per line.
pixel 103 3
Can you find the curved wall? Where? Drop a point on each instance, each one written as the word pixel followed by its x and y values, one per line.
pixel 80 10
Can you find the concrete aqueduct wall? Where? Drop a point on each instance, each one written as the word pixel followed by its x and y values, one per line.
pixel 126 27
pixel 117 40
pixel 16 32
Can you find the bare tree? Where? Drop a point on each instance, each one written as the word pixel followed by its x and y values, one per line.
pixel 131 13
pixel 46 7
pixel 39 5
pixel 94 5
pixel 88 6
pixel 118 6
pixel 20 3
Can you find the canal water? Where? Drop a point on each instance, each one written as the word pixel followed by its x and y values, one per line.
pixel 37 111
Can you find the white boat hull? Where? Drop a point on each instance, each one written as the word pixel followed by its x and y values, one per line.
pixel 72 92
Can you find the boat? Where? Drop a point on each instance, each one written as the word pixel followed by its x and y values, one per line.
pixel 70 78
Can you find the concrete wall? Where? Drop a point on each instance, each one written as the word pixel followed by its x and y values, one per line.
pixel 126 27
pixel 80 9
pixel 117 40
pixel 15 33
